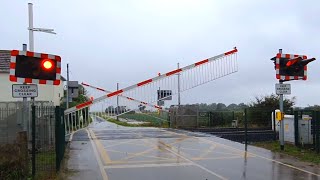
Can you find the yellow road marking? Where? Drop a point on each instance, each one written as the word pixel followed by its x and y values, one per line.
pixel 147 165
pixel 284 164
pixel 139 154
pixel 209 150
pixel 117 144
pixel 153 146
pixel 192 149
pixel 241 151
pixel 148 156
pixel 101 149
pixel 136 162
pixel 101 167
pixel 173 150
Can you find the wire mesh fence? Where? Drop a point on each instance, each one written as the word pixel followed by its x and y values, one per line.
pixel 43 141
pixel 305 129
pixel 258 125
pixel 38 151
pixel 13 139
pixel 249 125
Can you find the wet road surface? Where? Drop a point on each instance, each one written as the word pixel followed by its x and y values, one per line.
pixel 108 151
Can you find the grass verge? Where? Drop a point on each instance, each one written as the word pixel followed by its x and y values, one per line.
pixel 303 154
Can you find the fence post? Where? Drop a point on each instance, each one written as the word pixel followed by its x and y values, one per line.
pixel 57 128
pixel 222 121
pixel 296 128
pixel 85 117
pixel 246 129
pixel 33 140
pixel 209 116
pixel 317 131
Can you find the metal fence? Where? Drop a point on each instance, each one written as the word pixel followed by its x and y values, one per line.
pixel 249 125
pixel 306 130
pixel 76 120
pixel 39 151
pixel 9 125
pixel 48 141
pixel 259 125
pixel 12 139
pixel 43 141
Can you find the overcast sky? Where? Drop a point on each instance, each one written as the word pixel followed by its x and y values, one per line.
pixel 126 41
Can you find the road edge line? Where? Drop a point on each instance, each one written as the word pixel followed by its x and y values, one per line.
pixel 101 167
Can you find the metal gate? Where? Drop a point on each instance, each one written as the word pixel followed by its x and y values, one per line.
pixel 144 92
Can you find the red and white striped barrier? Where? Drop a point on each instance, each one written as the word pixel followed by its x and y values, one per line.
pixel 13 78
pixel 129 98
pixel 190 76
pixel 289 56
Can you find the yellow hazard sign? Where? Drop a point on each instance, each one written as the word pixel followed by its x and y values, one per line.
pixel 279 116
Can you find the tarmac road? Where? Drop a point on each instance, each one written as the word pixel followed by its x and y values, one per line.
pixel 108 151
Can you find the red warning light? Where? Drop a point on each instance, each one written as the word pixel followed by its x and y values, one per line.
pixel 47 64
pixel 293 61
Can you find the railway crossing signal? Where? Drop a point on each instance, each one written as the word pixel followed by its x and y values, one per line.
pixel 36 68
pixel 288 67
pixel 291 66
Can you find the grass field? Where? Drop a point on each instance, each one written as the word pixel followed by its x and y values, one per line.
pixel 153 119
pixel 302 154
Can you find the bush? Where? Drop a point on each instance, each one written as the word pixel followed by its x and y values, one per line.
pixel 13 162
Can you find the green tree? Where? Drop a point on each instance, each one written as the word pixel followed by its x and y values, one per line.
pixel 314 107
pixel 83 97
pixel 272 102
pixel 221 106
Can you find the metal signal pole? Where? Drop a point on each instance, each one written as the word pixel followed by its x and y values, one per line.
pixel 67 92
pixel 25 120
pixel 281 110
pixel 179 87
pixel 31 28
pixel 117 102
pixel 31 42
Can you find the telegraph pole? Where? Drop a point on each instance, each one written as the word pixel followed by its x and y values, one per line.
pixel 281 110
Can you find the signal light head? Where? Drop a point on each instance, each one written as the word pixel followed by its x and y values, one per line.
pixel 293 61
pixel 47 64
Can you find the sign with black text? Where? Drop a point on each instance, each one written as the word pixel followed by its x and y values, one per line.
pixel 283 89
pixel 24 90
